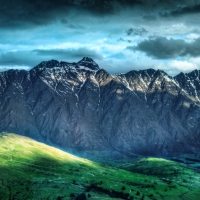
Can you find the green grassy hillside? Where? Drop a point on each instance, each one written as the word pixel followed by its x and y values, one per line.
pixel 32 170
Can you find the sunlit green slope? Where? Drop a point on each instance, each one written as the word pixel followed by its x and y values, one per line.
pixel 32 170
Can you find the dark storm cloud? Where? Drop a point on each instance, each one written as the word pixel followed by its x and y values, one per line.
pixel 149 17
pixel 32 58
pixel 136 31
pixel 182 11
pixel 17 58
pixel 108 6
pixel 69 53
pixel 27 13
pixel 163 48
pixel 64 21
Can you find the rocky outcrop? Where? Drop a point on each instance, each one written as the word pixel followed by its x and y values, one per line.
pixel 78 105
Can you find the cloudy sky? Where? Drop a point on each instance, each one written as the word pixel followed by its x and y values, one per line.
pixel 120 35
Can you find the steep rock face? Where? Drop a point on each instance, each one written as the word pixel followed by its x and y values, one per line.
pixel 78 105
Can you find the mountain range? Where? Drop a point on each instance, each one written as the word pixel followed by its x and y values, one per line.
pixel 82 107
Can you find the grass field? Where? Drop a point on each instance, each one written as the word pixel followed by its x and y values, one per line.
pixel 33 170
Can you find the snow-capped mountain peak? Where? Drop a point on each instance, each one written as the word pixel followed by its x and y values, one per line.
pixel 89 63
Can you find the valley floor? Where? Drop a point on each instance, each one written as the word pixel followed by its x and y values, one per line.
pixel 32 170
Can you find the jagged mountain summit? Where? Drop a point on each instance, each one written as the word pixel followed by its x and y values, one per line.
pixel 80 106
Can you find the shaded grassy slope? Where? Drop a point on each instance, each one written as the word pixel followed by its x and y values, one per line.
pixel 32 170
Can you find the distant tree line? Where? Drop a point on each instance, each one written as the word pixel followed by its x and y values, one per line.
pixel 110 192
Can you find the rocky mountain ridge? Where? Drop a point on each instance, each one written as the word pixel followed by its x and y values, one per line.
pixel 80 106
